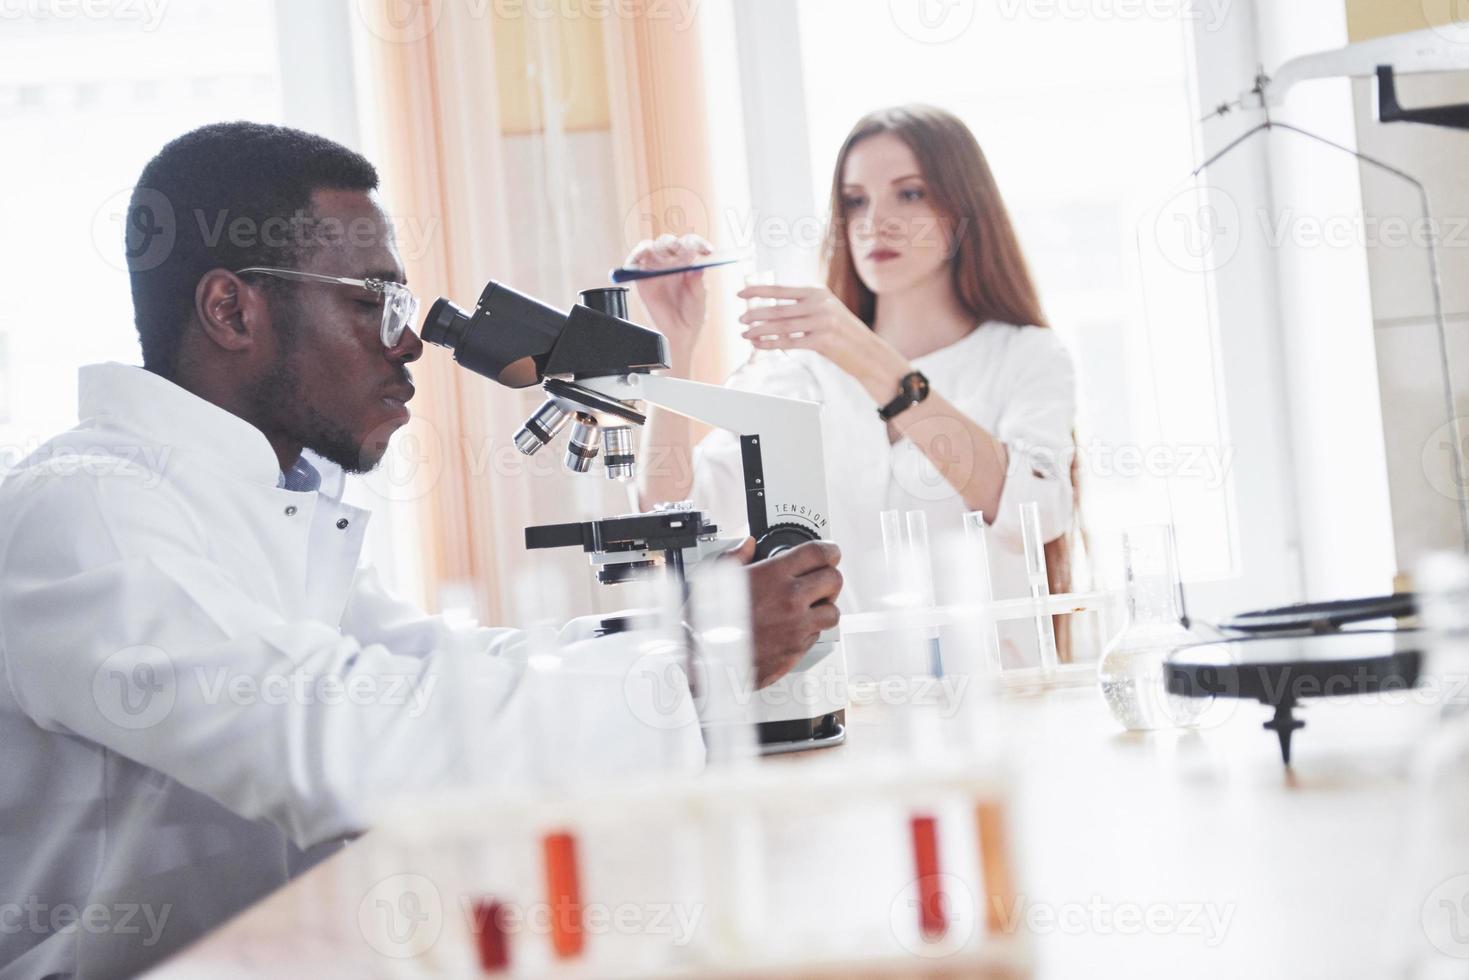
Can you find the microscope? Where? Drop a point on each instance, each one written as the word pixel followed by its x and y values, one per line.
pixel 597 370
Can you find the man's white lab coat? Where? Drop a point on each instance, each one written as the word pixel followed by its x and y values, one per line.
pixel 203 694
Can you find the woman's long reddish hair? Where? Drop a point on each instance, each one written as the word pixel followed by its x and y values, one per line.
pixel 989 272
pixel 990 275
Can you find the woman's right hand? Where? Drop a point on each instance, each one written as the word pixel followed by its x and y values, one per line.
pixel 676 303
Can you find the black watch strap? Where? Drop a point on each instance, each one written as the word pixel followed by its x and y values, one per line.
pixel 912 389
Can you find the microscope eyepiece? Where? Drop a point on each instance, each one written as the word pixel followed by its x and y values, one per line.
pixel 445 324
pixel 611 300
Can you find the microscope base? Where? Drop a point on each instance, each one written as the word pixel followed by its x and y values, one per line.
pixel 778 737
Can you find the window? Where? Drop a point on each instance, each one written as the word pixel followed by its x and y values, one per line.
pixel 85 101
pixel 1088 118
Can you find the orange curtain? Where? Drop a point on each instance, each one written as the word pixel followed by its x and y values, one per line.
pixel 531 147
pixel 658 103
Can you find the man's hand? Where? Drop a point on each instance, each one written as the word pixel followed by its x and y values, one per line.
pixel 792 600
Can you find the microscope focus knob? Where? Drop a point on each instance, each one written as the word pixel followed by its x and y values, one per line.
pixel 782 537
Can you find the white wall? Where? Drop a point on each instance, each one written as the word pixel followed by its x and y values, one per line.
pixel 1424 501
pixel 1322 310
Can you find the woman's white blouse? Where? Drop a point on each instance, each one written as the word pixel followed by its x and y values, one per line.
pixel 1017 383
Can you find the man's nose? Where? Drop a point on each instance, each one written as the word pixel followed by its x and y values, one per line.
pixel 408 348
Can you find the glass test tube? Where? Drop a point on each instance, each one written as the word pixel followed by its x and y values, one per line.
pixel 659 599
pixel 971 651
pixel 977 541
pixel 910 647
pixel 534 594
pixel 922 563
pixel 457 608
pixel 994 860
pixel 734 856
pixel 1040 589
pixel 492 939
pixel 563 893
pixel 720 614
pixel 892 544
pixel 933 915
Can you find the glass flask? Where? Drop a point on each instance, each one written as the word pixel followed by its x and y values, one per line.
pixel 776 372
pixel 1131 669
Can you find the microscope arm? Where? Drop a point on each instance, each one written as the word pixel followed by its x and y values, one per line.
pixel 1429 50
pixel 780 440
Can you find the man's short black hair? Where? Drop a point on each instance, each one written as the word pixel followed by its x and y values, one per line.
pixel 225 196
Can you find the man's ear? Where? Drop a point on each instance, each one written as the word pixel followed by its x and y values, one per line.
pixel 230 313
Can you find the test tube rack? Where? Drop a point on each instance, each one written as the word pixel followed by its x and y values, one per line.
pixel 942 822
pixel 907 551
pixel 934 617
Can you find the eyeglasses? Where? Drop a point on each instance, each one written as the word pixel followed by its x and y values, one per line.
pixel 400 306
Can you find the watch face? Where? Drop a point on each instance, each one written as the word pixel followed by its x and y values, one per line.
pixel 915 386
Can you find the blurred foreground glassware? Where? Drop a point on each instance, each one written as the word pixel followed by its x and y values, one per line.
pixel 1433 892
pixel 1131 669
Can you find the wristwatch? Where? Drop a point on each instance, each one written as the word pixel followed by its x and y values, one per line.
pixel 912 389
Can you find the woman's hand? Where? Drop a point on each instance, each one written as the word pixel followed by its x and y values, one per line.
pixel 812 318
pixel 676 303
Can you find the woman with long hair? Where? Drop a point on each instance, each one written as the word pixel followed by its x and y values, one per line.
pixel 944 391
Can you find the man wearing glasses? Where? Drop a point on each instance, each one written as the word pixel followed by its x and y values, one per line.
pixel 202 691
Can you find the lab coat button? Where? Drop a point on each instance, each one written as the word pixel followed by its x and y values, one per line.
pixel 342 524
pixel 291 511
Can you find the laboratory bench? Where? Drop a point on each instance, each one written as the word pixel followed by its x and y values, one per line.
pixel 1183 852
